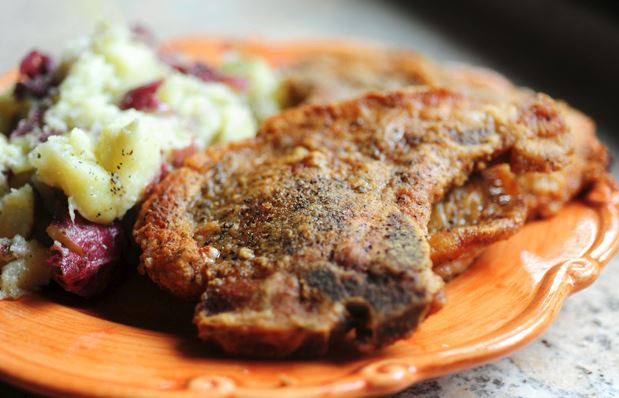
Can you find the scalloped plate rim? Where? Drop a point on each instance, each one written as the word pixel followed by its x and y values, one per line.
pixel 363 380
pixel 558 283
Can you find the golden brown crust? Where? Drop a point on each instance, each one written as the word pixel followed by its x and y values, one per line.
pixel 303 234
pixel 319 224
pixel 345 72
pixel 458 238
pixel 171 256
pixel 488 208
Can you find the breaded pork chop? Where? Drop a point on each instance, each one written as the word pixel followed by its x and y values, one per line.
pixel 315 72
pixel 344 72
pixel 321 74
pixel 479 213
pixel 316 231
pixel 495 203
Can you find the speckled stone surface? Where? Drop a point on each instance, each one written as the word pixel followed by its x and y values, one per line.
pixel 578 356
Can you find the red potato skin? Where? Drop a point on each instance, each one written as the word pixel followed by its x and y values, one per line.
pixel 94 253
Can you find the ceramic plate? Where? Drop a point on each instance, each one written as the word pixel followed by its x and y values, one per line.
pixel 137 342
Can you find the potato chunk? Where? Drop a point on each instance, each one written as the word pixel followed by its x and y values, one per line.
pixel 22 266
pixel 17 212
pixel 102 179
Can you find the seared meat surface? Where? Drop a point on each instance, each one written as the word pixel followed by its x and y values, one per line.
pixel 489 207
pixel 494 204
pixel 345 72
pixel 316 232
pixel 478 214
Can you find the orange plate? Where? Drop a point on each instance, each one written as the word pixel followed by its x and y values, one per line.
pixel 137 342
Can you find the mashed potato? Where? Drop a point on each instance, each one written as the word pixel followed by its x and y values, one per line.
pixel 22 266
pixel 12 159
pixel 106 156
pixel 105 177
pixel 22 263
pixel 17 212
pixel 102 155
pixel 5 154
pixel 16 205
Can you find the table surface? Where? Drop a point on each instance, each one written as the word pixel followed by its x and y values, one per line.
pixel 576 357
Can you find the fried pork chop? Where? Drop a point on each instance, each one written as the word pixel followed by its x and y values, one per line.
pixel 330 73
pixel 495 203
pixel 479 213
pixel 344 72
pixel 316 232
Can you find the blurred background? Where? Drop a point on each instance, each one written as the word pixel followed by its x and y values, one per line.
pixel 568 49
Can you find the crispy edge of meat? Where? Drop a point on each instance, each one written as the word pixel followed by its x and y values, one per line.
pixel 163 227
pixel 167 234
pixel 348 70
pixel 493 220
pixel 542 194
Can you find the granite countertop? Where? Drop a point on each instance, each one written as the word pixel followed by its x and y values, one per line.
pixel 578 356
